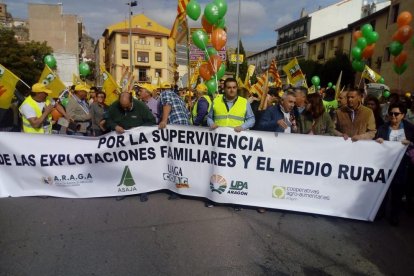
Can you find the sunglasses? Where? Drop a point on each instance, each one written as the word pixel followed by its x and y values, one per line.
pixel 394 113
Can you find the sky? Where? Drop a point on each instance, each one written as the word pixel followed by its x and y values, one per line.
pixel 258 21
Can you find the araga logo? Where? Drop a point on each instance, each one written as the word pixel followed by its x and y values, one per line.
pixel 68 180
pixel 127 183
pixel 175 175
pixel 238 188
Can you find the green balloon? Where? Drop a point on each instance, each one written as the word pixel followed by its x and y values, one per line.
pixel 50 61
pixel 330 84
pixel 84 69
pixel 381 80
pixel 210 52
pixel 193 9
pixel 211 13
pixel 221 23
pixel 222 7
pixel 221 71
pixel 356 53
pixel 372 37
pixel 200 39
pixel 358 65
pixel 211 85
pixel 386 94
pixel 316 80
pixel 400 69
pixel 64 102
pixel 334 87
pixel 362 43
pixel 366 30
pixel 395 48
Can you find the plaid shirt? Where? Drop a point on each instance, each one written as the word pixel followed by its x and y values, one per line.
pixel 179 114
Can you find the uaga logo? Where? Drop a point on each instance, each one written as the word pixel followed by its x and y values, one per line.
pixel 175 175
pixel 279 192
pixel 68 180
pixel 218 183
pixel 127 182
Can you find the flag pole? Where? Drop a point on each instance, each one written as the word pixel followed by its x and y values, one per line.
pixel 264 96
pixel 238 42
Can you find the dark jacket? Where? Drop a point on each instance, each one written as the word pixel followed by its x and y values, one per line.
pixel 384 131
pixel 268 121
pixel 138 115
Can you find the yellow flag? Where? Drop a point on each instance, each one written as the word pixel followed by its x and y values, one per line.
pixel 77 80
pixel 240 83
pixel 250 72
pixel 8 82
pixel 294 73
pixel 52 81
pixel 110 87
pixel 370 74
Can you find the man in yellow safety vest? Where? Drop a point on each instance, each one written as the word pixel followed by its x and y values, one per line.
pixel 201 107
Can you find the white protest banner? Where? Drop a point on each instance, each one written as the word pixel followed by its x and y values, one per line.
pixel 314 174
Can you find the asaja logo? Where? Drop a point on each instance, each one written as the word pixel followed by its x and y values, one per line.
pixel 47 180
pixel 127 182
pixel 279 192
pixel 218 183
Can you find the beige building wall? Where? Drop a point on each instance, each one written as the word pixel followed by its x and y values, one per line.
pixel 327 47
pixel 405 82
pixel 48 23
pixel 3 12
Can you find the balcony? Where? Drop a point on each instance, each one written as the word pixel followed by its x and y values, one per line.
pixel 292 37
pixel 142 46
pixel 144 79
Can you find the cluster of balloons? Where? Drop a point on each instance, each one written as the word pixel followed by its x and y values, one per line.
pixel 50 61
pixel 365 45
pixel 84 69
pixel 330 85
pixel 213 23
pixel 401 36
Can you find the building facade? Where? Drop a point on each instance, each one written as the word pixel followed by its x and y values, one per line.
pixel 328 46
pixel 63 34
pixel 152 57
pixel 262 60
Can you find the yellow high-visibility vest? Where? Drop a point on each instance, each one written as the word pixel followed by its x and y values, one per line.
pixel 27 126
pixel 230 118
pixel 194 112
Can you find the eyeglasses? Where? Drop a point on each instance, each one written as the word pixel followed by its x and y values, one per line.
pixel 394 113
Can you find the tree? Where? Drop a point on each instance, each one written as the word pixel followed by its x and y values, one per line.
pixel 232 67
pixel 24 60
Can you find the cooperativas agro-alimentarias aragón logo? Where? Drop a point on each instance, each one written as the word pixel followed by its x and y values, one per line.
pixel 218 183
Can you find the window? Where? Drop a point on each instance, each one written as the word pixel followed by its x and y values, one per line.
pixel 340 43
pixel 142 40
pixel 142 74
pixel 143 57
pixel 158 42
pixel 124 54
pixel 158 56
pixel 395 11
pixel 124 39
pixel 331 44
pixel 158 73
pixel 387 54
pixel 314 49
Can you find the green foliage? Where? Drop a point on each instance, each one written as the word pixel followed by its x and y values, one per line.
pixel 329 71
pixel 242 67
pixel 24 60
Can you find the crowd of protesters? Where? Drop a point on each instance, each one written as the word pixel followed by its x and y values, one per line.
pixel 352 114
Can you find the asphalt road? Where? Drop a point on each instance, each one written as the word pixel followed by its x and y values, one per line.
pixel 102 236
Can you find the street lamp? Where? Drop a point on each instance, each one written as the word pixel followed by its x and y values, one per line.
pixel 131 54
pixel 238 43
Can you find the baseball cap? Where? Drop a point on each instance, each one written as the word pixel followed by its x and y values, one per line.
pixel 81 87
pixel 147 86
pixel 40 87
pixel 165 85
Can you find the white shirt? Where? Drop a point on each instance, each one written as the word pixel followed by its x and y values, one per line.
pixel 28 112
pixel 397 135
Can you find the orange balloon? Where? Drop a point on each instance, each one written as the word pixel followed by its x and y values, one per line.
pixel 205 72
pixel 214 63
pixel 368 51
pixel 55 115
pixel 207 26
pixel 218 39
pixel 401 58
pixel 403 34
pixel 357 34
pixel 404 19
